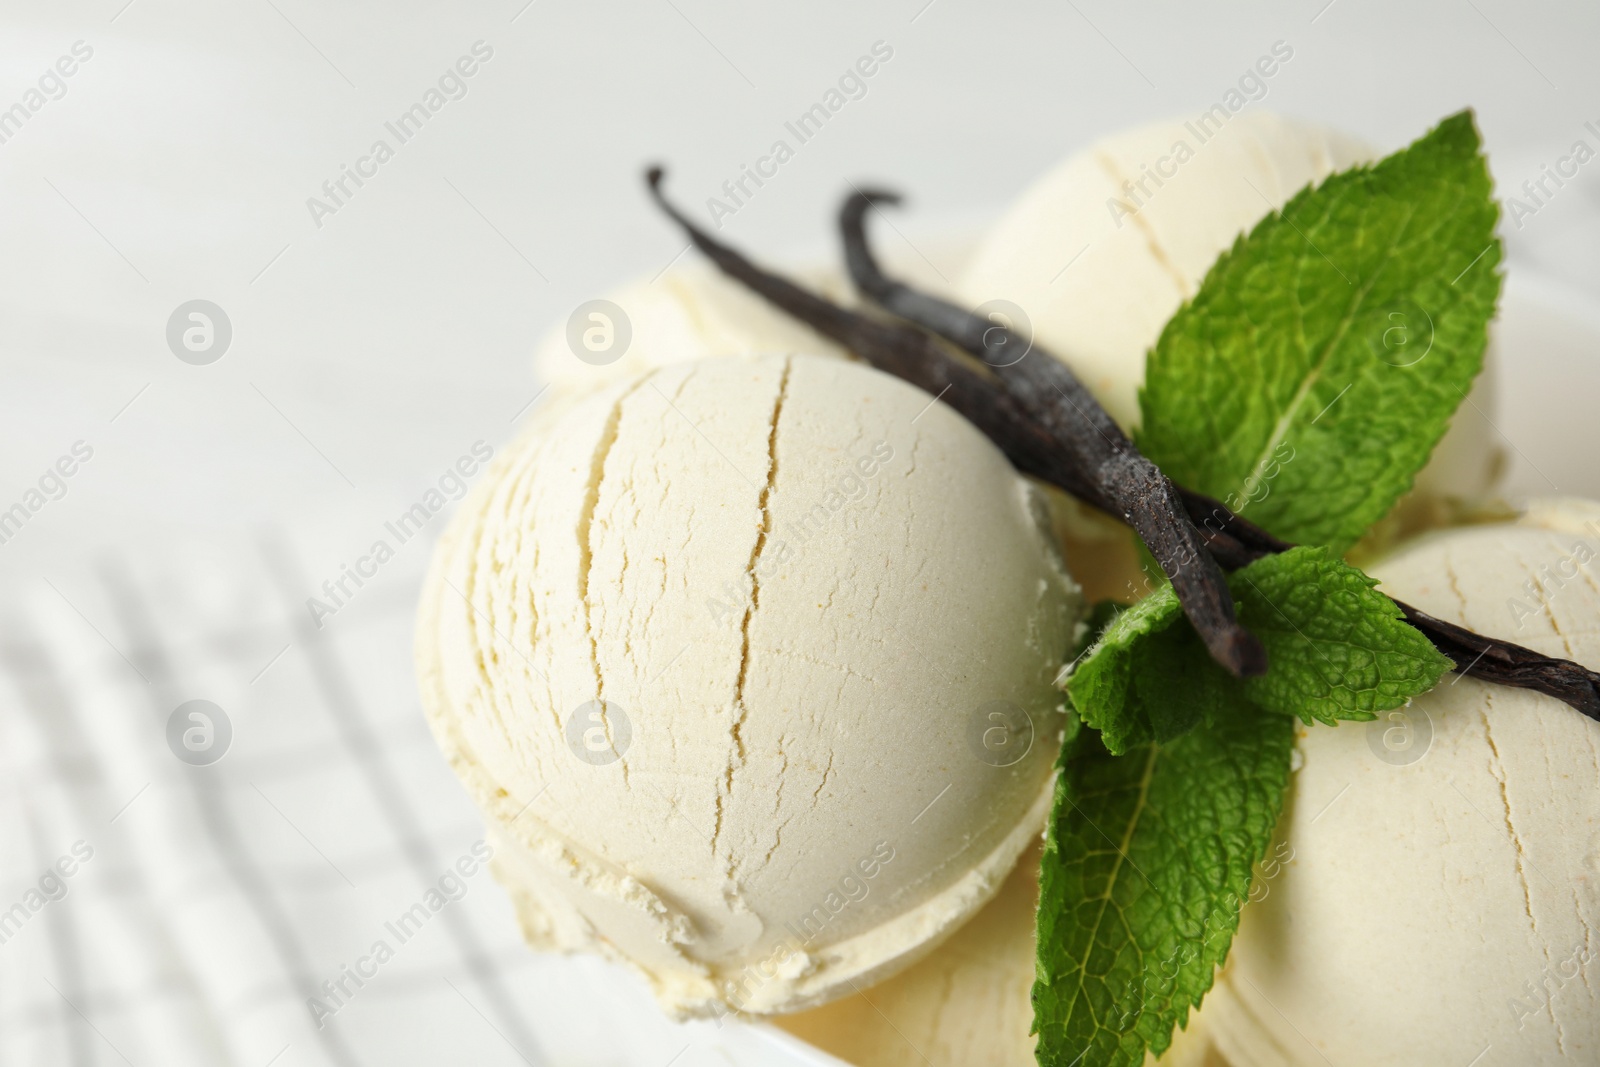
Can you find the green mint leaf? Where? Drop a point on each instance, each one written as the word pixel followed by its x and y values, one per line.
pixel 1311 376
pixel 1145 680
pixel 1147 860
pixel 1339 648
pixel 1101 615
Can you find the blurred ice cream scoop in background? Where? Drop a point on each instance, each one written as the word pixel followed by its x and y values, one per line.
pixel 1100 252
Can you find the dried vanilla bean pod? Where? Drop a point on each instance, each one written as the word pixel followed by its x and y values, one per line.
pixel 1232 540
pixel 1504 663
pixel 1099 459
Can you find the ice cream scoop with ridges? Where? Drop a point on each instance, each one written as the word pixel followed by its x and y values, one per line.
pixel 795 583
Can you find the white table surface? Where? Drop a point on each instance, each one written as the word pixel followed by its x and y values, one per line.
pixel 370 352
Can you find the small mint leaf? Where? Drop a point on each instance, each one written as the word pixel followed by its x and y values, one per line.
pixel 1339 648
pixel 1144 679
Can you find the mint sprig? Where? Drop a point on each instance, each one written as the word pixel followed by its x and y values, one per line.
pixel 1304 386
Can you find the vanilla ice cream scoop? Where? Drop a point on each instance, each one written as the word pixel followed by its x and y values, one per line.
pixel 1102 251
pixel 1441 899
pixel 748 661
pixel 689 311
pixel 693 311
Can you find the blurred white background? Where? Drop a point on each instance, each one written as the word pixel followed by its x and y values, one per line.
pixel 372 350
pixel 179 162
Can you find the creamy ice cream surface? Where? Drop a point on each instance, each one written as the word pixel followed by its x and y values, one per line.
pixel 748 662
pixel 967 1003
pixel 1442 902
